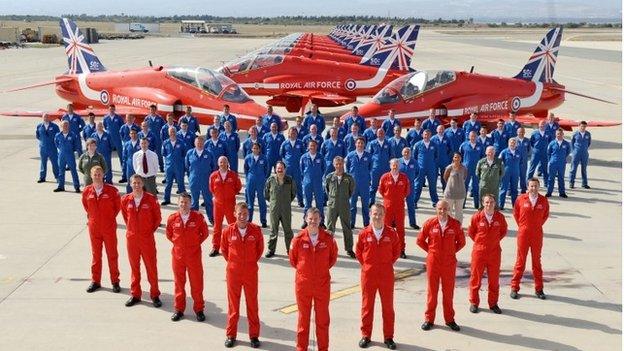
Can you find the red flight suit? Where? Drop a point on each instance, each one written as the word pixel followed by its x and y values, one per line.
pixel 102 213
pixel 377 258
pixel 186 257
pixel 224 199
pixel 530 220
pixel 394 194
pixel 141 223
pixel 242 254
pixel 312 283
pixel 441 246
pixel 486 254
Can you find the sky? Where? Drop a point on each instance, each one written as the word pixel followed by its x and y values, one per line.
pixel 430 9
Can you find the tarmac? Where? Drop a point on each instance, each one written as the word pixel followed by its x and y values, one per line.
pixel 45 252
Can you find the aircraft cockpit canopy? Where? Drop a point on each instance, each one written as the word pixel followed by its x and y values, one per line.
pixel 413 84
pixel 254 62
pixel 209 81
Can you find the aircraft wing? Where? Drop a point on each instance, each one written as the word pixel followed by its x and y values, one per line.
pixel 320 98
pixel 566 124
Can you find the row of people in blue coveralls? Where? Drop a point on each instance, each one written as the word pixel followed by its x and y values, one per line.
pixel 431 151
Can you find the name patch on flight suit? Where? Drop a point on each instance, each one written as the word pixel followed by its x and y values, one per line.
pixel 145 206
pixel 251 237
pixel 539 207
pixel 386 239
pixel 306 246
pixel 527 205
pixel 192 224
pixel 177 225
pixel 321 245
pixel 234 238
pixel 205 156
pixel 369 239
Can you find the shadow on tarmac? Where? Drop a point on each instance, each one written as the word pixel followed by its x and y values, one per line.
pixel 517 339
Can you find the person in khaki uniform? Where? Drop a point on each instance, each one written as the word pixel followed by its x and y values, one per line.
pixel 339 187
pixel 280 190
pixel 90 159
pixel 490 172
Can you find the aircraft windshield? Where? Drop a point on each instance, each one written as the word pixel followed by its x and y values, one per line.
pixel 210 81
pixel 254 62
pixel 413 84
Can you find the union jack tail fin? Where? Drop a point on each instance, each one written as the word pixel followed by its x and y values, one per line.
pixel 541 65
pixel 398 50
pixel 368 46
pixel 80 56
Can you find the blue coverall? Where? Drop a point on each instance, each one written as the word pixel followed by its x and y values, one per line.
pixel 156 123
pixel 512 128
pixel 468 127
pixel 312 179
pixel 256 174
pixel 127 154
pixel 360 168
pixel 309 120
pixel 199 167
pixel 216 149
pixel 389 124
pixel 470 157
pixel 359 120
pixel 456 138
pixel 445 155
pixel 112 125
pixel 431 125
pixel 105 148
pixel 411 171
pixel 329 151
pixel 539 144
pixel 413 136
pixel 76 125
pixel 248 143
pixel 349 141
pixel 398 144
pixel 193 124
pixel 47 149
pixel 87 131
pixel 380 155
pixel 174 166
pixel 291 155
pixel 273 144
pixel 557 155
pixel 426 157
pixel 580 155
pixel 511 175
pixel 524 146
pixel 232 144
pixel 501 140
pixel 232 119
pixel 66 146
pixel 151 138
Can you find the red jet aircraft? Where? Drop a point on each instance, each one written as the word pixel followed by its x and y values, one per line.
pixel 530 94
pixel 91 88
pixel 293 81
pixel 357 49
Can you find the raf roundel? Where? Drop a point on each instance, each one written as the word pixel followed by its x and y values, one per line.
pixel 104 97
pixel 350 84
pixel 515 104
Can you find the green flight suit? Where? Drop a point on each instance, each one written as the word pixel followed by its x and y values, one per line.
pixel 489 178
pixel 280 196
pixel 338 202
pixel 85 163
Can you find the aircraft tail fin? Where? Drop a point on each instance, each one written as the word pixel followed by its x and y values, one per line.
pixel 398 50
pixel 541 64
pixel 80 56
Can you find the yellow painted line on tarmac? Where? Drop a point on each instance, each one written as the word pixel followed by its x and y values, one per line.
pixel 400 275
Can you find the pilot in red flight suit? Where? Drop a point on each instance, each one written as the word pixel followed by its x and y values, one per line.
pixel 394 187
pixel 101 202
pixel 242 245
pixel 441 237
pixel 377 248
pixel 224 185
pixel 531 211
pixel 312 253
pixel 187 230
pixel 487 228
pixel 141 213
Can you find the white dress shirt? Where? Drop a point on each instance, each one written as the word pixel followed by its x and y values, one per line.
pixel 152 163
